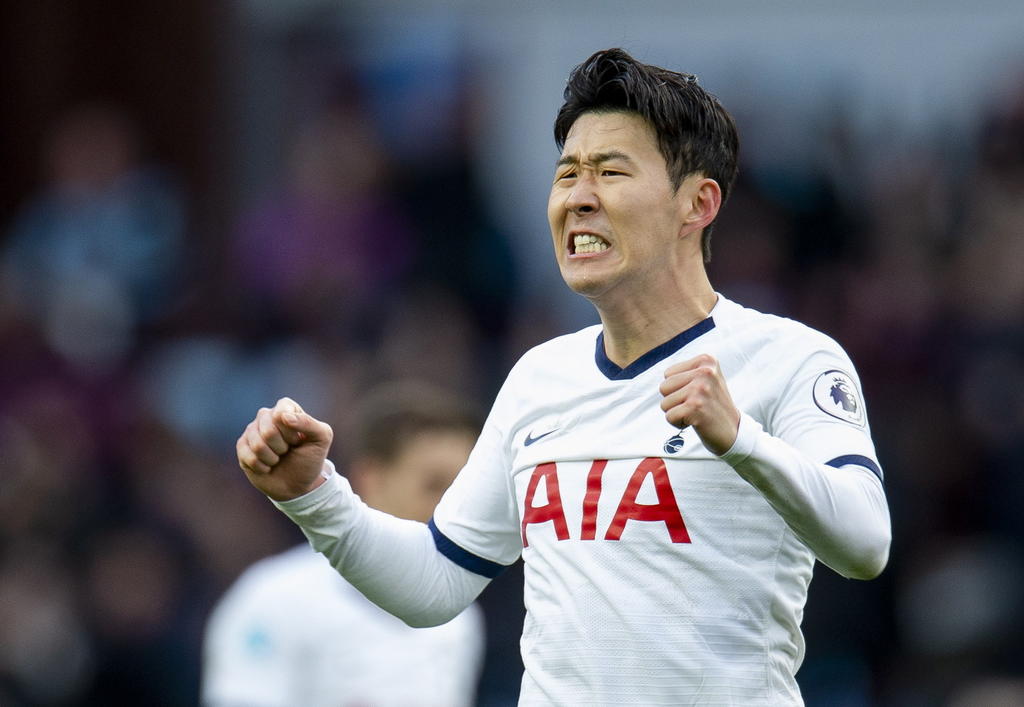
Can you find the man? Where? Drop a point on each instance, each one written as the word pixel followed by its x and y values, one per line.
pixel 292 632
pixel 669 477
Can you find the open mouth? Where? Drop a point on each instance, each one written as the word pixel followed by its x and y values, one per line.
pixel 587 244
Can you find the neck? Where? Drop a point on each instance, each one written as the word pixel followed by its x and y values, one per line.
pixel 635 326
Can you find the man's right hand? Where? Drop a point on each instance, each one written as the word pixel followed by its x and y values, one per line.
pixel 283 450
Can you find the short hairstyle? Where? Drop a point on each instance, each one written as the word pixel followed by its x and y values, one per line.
pixel 695 134
pixel 395 413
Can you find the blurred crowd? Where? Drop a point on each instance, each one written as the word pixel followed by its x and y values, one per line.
pixel 134 354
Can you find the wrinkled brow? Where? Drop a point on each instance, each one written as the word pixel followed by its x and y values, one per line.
pixel 597 158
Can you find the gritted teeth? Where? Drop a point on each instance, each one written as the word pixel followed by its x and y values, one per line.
pixel 589 243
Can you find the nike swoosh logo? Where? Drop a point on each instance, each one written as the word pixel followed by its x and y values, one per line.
pixel 530 439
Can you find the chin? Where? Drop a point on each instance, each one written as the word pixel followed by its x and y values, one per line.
pixel 589 287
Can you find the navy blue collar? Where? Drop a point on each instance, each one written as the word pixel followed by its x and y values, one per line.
pixel 658 353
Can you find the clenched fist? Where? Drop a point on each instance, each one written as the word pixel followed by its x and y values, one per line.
pixel 695 395
pixel 283 450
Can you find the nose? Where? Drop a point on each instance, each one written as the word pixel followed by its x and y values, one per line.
pixel 583 198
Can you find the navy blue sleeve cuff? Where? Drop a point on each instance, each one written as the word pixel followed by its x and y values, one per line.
pixel 859 460
pixel 464 558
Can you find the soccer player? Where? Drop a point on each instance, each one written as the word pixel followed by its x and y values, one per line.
pixel 669 476
pixel 291 632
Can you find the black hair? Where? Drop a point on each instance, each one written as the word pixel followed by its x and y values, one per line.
pixel 695 134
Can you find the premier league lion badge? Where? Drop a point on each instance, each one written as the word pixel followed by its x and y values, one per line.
pixel 835 393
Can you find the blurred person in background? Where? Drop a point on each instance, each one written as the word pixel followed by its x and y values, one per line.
pixel 291 631
pixel 97 254
pixel 322 251
pixel 633 420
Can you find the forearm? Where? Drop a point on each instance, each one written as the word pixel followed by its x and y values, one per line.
pixel 393 562
pixel 841 514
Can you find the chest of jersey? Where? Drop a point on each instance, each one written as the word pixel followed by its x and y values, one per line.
pixel 606 466
pixel 648 560
pixel 615 502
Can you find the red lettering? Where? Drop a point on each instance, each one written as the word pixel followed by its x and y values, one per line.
pixel 589 527
pixel 665 510
pixel 552 510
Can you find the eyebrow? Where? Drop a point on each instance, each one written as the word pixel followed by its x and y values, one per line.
pixel 597 158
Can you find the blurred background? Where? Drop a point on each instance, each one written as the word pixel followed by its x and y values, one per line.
pixel 205 205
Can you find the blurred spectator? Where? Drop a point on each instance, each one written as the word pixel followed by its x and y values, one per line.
pixel 464 250
pixel 142 618
pixel 46 656
pixel 98 252
pixel 201 385
pixel 325 248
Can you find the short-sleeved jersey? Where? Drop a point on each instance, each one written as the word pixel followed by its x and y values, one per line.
pixel 291 632
pixel 654 573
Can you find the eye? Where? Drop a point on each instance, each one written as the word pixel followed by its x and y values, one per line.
pixel 567 175
pixel 611 173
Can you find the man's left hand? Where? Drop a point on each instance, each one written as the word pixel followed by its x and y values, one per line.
pixel 696 396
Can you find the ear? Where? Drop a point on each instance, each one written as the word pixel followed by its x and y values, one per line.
pixel 702 198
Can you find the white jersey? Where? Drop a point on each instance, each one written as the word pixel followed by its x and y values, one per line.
pixel 655 574
pixel 292 632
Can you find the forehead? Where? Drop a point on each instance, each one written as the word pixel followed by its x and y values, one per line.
pixel 444 446
pixel 618 130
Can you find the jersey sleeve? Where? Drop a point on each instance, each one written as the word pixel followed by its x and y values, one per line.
pixel 821 410
pixel 813 460
pixel 392 561
pixel 476 524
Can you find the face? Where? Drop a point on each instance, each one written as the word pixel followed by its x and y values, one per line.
pixel 411 486
pixel 615 219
